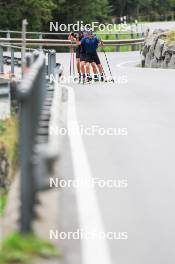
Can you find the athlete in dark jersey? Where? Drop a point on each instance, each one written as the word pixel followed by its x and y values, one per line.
pixel 79 36
pixel 82 58
pixel 91 44
pixel 75 37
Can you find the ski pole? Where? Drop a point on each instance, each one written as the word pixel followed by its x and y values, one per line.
pixel 70 61
pixel 104 72
pixel 73 58
pixel 108 64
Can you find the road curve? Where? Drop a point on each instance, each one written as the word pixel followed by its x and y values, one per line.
pixel 141 103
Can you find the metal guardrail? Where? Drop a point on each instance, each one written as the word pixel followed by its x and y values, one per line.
pixel 31 94
pixel 133 29
pixel 35 95
pixel 10 58
pixel 68 43
pixel 135 41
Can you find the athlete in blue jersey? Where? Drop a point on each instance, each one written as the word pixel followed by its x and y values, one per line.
pixel 90 44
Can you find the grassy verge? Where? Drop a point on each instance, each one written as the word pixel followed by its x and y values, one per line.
pixel 8 157
pixel 170 38
pixel 3 201
pixel 8 140
pixel 21 249
pixel 124 48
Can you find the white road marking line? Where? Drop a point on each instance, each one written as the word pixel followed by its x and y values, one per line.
pixel 94 251
pixel 126 62
pixel 122 64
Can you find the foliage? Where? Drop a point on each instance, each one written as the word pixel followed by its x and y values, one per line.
pixel 40 12
pixel 8 140
pixel 18 248
pixel 69 11
pixel 37 12
pixel 8 157
pixel 141 7
pixel 170 38
pixel 3 201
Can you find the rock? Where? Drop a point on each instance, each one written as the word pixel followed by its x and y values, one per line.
pixel 159 48
pixel 4 167
pixel 171 64
pixel 164 51
pixel 151 39
pixel 145 51
pixel 166 61
pixel 148 59
pixel 158 31
pixel 154 63
pixel 156 52
pixel 152 49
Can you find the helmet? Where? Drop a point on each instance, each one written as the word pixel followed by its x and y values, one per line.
pixel 90 31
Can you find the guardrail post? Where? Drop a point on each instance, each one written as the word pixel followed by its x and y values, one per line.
pixel 8 36
pixel 40 37
pixel 35 55
pixel 51 62
pixel 138 36
pixel 23 50
pixel 31 97
pixel 27 184
pixel 1 60
pixel 48 70
pixel 132 37
pixel 117 47
pixel 28 61
pixel 12 61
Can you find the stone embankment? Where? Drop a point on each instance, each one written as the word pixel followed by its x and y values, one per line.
pixel 159 49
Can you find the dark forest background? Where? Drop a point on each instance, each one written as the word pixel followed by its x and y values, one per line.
pixel 40 12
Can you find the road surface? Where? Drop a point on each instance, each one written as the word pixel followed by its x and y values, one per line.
pixel 163 25
pixel 143 105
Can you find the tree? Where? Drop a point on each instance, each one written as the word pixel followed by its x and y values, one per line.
pixel 136 8
pixel 40 12
pixel 69 11
pixel 37 12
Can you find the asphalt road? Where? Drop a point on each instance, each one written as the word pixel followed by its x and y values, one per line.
pixel 144 107
pixel 141 103
pixel 4 107
pixel 162 25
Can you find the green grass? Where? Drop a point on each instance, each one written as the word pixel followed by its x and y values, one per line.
pixel 107 37
pixel 8 140
pixel 124 48
pixel 21 249
pixel 8 154
pixel 3 201
pixel 170 38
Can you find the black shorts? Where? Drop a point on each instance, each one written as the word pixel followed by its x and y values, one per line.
pixel 82 56
pixel 77 54
pixel 93 57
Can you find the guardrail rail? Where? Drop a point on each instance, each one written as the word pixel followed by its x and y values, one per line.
pixel 35 96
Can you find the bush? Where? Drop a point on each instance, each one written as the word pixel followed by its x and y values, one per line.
pixel 18 248
pixel 8 150
pixel 8 157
